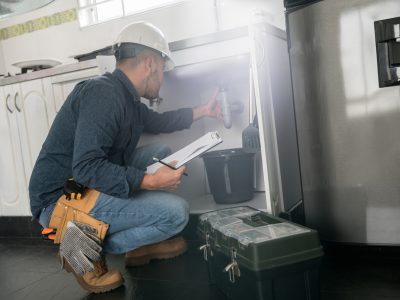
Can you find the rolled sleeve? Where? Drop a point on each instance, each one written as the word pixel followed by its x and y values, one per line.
pixel 167 122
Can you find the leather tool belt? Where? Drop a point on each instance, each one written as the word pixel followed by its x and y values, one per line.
pixel 76 210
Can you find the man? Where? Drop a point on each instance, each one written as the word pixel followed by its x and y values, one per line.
pixel 93 139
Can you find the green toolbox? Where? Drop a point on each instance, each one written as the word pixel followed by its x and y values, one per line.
pixel 253 255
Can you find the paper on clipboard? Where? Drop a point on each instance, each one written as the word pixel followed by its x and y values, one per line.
pixel 199 146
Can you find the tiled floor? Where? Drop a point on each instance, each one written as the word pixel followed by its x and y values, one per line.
pixel 367 273
pixel 29 270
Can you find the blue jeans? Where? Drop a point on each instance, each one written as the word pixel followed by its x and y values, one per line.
pixel 147 217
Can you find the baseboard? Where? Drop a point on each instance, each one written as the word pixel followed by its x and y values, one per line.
pixel 19 227
pixel 26 227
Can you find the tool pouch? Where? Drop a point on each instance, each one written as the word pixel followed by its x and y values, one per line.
pixel 76 210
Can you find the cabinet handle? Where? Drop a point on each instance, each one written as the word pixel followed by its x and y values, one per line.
pixel 8 108
pixel 15 102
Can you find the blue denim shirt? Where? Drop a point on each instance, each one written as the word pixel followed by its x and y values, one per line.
pixel 93 138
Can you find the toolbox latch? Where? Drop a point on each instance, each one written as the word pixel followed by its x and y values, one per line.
pixel 207 247
pixel 233 268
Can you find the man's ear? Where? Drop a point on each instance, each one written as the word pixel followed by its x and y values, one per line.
pixel 149 64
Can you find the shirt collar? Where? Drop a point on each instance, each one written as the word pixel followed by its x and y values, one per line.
pixel 127 84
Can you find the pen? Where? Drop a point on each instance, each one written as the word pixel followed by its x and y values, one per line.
pixel 165 164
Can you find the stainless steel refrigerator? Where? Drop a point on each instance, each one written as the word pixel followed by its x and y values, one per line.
pixel 345 67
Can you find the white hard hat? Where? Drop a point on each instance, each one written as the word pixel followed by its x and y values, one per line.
pixel 146 34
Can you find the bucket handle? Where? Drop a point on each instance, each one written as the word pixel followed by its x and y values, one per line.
pixel 227 179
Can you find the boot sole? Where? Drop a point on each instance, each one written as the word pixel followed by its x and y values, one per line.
pixel 92 289
pixel 144 260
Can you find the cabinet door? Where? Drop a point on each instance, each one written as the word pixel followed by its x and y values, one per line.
pixel 33 119
pixel 13 185
pixel 275 112
pixel 64 84
pixel 50 100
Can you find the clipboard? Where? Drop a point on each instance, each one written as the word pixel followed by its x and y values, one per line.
pixel 186 154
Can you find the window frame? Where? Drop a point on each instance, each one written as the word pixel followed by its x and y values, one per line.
pixel 124 13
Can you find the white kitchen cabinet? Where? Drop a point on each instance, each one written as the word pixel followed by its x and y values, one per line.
pixel 13 184
pixel 28 111
pixel 34 104
pixel 26 114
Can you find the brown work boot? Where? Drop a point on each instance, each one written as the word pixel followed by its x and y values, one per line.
pixel 100 280
pixel 162 250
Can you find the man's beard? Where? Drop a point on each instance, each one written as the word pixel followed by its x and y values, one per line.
pixel 153 95
pixel 155 101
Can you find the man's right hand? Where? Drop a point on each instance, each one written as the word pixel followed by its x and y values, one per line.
pixel 163 179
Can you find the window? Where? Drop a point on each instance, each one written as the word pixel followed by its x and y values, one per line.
pixel 96 11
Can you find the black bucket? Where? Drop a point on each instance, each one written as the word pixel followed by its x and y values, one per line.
pixel 230 175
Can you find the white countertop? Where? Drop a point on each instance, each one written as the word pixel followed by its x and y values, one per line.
pixel 61 69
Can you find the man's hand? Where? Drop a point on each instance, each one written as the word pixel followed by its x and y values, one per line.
pixel 210 109
pixel 163 179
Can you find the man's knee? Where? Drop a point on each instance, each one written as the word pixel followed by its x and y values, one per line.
pixel 183 214
pixel 178 213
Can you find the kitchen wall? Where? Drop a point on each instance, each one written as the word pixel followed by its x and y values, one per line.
pixel 178 22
